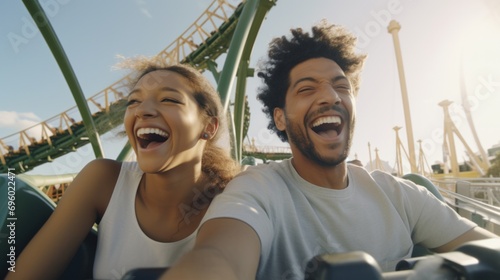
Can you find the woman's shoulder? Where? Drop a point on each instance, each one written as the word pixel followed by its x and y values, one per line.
pixel 99 177
pixel 101 173
pixel 103 165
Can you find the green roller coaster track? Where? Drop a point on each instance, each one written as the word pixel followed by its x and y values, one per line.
pixel 235 36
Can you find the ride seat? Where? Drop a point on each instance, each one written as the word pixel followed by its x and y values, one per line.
pixel 424 182
pixel 32 209
pixel 418 179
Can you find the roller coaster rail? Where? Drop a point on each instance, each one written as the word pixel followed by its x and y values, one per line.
pixel 199 45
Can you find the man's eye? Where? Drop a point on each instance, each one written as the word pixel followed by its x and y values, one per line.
pixel 305 89
pixel 344 88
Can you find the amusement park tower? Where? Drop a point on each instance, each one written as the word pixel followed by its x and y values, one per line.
pixel 394 28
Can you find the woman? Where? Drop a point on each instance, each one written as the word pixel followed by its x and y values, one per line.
pixel 148 211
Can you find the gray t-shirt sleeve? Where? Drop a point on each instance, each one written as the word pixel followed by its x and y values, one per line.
pixel 433 223
pixel 438 223
pixel 247 198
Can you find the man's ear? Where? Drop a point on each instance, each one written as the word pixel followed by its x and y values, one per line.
pixel 211 127
pixel 279 119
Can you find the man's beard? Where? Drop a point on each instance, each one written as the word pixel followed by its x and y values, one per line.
pixel 306 146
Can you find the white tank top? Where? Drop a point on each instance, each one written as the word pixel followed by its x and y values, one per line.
pixel 122 245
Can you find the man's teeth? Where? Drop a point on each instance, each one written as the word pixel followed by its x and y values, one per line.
pixel 142 131
pixel 330 119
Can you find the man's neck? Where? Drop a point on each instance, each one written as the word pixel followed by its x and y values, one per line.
pixel 331 177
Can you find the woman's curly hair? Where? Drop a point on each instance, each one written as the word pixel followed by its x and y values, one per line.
pixel 329 41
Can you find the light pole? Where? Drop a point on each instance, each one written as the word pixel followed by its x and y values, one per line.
pixel 394 28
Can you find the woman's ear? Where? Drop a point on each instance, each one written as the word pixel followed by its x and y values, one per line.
pixel 211 128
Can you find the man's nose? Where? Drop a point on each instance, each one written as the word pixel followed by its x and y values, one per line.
pixel 328 95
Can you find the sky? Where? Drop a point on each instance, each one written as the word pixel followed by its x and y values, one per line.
pixel 441 41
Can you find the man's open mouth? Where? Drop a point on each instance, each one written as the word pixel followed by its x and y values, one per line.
pixel 328 126
pixel 148 137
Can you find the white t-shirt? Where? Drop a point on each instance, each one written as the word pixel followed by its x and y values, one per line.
pixel 295 220
pixel 122 245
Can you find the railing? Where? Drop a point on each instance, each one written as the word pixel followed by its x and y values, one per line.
pixel 198 33
pixel 267 149
pixel 62 123
pixel 476 199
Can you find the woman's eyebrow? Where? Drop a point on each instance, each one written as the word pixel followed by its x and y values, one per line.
pixel 137 90
pixel 133 91
pixel 169 89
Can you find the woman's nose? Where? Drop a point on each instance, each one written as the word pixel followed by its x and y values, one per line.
pixel 146 109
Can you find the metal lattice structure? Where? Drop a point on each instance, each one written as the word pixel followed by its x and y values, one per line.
pixel 221 28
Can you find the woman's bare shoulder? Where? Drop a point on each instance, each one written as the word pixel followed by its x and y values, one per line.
pixel 98 179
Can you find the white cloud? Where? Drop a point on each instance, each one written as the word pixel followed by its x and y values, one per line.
pixel 144 10
pixel 12 122
pixel 18 120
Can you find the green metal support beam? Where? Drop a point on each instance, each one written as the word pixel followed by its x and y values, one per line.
pixel 252 16
pixel 43 23
pixel 125 152
pixel 250 20
pixel 212 67
pixel 239 105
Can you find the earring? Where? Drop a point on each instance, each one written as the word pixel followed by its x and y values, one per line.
pixel 205 135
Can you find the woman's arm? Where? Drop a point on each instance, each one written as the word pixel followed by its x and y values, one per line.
pixel 52 248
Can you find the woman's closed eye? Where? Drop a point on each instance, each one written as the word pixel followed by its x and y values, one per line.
pixel 132 102
pixel 171 100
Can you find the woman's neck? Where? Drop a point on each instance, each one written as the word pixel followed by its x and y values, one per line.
pixel 168 206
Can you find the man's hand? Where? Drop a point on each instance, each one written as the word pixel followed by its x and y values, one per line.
pixel 225 249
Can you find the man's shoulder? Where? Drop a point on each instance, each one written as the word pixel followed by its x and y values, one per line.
pixel 375 175
pixel 381 179
pixel 387 182
pixel 265 178
pixel 267 170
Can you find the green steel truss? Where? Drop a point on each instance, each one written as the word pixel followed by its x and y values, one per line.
pixel 235 36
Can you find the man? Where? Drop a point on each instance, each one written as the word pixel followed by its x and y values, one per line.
pixel 272 219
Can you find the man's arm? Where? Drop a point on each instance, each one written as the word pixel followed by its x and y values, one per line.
pixel 225 248
pixel 476 233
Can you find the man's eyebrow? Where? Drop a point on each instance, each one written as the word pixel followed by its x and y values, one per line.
pixel 311 79
pixel 340 77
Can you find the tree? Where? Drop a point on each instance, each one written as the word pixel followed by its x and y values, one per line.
pixel 246 118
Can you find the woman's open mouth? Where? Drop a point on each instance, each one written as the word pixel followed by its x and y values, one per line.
pixel 151 137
